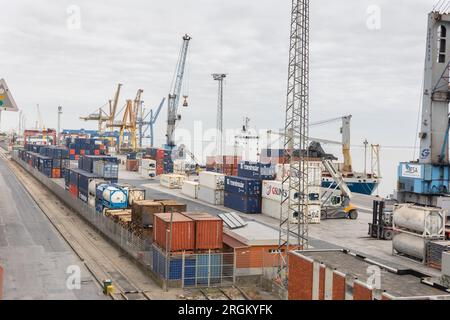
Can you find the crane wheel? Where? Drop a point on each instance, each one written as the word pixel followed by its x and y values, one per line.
pixel 388 235
pixel 353 215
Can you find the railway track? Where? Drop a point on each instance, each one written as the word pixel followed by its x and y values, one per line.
pixel 227 293
pixel 81 238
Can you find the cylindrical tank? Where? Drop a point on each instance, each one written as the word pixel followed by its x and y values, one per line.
pixel 410 245
pixel 115 195
pixel 93 186
pixel 426 221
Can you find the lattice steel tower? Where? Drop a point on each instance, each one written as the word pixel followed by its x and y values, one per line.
pixel 297 130
pixel 219 126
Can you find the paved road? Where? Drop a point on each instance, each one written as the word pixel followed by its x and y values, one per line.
pixel 34 255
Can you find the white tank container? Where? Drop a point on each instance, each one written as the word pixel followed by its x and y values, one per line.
pixel 428 222
pixel 411 245
pixel 114 195
pixel 212 180
pixel 211 196
pixel 190 189
pixel 93 186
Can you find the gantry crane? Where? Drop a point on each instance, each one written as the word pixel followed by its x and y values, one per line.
pixel 101 116
pixel 297 129
pixel 147 123
pixel 128 123
pixel 174 96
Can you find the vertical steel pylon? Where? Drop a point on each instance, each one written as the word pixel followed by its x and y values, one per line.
pixel 294 205
pixel 219 125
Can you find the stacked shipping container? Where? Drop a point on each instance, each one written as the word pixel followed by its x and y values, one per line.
pixel 80 147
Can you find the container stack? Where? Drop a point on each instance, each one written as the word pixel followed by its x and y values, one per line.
pixel 147 169
pixel 211 187
pixel 51 161
pixel 227 165
pixel 163 158
pixel 81 147
pixel 243 194
pixel 414 227
pixel 142 217
pixel 132 163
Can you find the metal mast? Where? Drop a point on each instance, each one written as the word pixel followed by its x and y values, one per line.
pixel 297 132
pixel 174 96
pixel 58 134
pixel 219 125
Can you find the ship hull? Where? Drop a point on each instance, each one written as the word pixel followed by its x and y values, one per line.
pixel 355 186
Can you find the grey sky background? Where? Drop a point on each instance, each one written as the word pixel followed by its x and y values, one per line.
pixel 375 75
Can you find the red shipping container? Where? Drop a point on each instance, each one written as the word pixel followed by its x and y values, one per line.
pixel 132 165
pixel 183 232
pixel 82 152
pixel 160 154
pixel 72 152
pixel 1 282
pixel 77 157
pixel 208 230
pixel 97 152
pixel 73 189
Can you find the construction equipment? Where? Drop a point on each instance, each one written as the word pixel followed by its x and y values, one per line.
pixel 381 227
pixel 336 202
pixel 424 181
pixel 174 96
pixel 147 124
pixel 297 129
pixel 101 116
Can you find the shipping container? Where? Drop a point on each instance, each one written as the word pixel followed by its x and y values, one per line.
pixel 243 186
pixel 190 189
pixel 176 271
pixel 172 181
pixel 211 196
pixel 174 230
pixel 209 268
pixel 212 180
pixel 245 204
pixel 143 212
pixel 84 179
pixel 172 205
pixel 132 165
pixel 314 172
pixel 256 170
pixel 208 230
pixel 107 170
pixel 115 198
pixel 271 208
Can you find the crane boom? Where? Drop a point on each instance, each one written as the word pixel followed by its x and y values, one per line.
pixel 174 96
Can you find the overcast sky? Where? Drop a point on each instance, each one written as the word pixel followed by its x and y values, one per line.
pixel 374 74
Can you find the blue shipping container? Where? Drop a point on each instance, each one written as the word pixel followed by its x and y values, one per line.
pixel 245 204
pixel 243 186
pixel 175 267
pixel 256 170
pixel 209 268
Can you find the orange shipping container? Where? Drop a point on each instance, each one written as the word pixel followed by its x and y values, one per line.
pixel 183 232
pixel 208 231
pixel 132 165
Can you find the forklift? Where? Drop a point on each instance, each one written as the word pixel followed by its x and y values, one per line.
pixel 381 227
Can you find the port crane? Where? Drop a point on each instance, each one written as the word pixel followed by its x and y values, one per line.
pixel 175 94
pixel 426 180
pixel 101 116
pixel 147 124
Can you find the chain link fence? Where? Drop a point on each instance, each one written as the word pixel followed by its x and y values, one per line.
pixel 175 269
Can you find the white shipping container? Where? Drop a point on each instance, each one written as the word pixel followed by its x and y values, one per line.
pixel 148 164
pixel 172 181
pixel 272 190
pixel 210 196
pixel 190 189
pixel 272 209
pixel 212 180
pixel 314 168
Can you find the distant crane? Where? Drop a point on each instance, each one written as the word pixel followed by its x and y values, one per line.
pixel 174 96
pixel 39 123
pixel 147 123
pixel 101 116
pixel 219 121
pixel 297 130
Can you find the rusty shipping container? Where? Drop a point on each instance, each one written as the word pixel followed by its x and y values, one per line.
pixel 208 230
pixel 132 165
pixel 183 232
pixel 170 205
pixel 143 211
